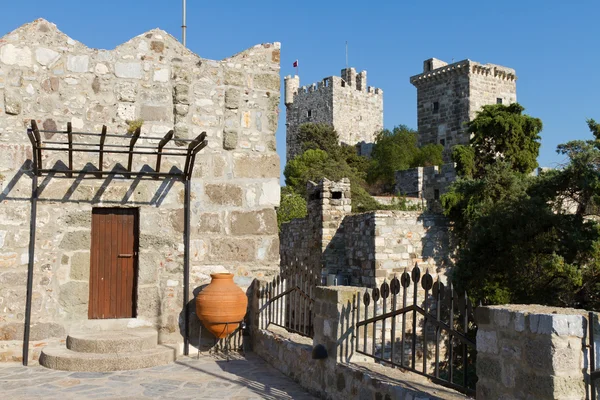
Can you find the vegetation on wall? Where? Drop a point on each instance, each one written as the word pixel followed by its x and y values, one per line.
pixel 523 238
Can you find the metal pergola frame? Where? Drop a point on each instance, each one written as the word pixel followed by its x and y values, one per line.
pixel 101 148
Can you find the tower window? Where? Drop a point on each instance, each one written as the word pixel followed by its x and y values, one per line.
pixel 430 65
pixel 436 106
pixel 443 142
pixel 336 195
pixel 499 100
pixel 436 194
pixel 309 113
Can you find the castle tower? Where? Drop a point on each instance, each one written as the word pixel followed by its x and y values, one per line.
pixel 346 102
pixel 450 95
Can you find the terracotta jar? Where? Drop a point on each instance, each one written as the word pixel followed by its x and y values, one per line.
pixel 221 301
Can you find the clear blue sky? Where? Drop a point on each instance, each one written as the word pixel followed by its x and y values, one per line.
pixel 553 45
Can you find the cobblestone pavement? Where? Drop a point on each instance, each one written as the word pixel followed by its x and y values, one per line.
pixel 187 378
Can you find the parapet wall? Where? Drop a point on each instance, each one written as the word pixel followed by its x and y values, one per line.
pixel 427 183
pixel 364 249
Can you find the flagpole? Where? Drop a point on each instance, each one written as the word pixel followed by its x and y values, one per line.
pixel 183 26
pixel 346 54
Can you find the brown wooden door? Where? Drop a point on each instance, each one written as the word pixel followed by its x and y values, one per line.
pixel 113 263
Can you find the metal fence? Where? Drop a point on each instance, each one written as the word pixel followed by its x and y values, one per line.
pixel 288 300
pixel 432 334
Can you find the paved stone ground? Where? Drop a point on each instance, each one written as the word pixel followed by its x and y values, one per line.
pixel 187 378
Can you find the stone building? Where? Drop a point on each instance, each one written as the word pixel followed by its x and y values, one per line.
pixel 354 109
pixel 449 96
pixel 362 249
pixel 48 77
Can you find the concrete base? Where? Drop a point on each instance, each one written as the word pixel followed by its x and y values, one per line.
pixel 109 351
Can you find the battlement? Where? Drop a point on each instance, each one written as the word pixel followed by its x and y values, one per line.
pixel 349 79
pixel 435 69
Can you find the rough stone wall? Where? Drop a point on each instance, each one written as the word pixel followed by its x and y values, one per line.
pixel 354 109
pixel 460 90
pixel 364 248
pixel 49 77
pixel 427 183
pixel 529 351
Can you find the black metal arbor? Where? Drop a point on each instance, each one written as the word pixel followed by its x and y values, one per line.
pixel 130 149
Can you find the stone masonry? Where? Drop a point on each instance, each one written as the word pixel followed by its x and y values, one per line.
pixel 362 249
pixel 49 77
pixel 427 183
pixel 354 109
pixel 533 352
pixel 450 95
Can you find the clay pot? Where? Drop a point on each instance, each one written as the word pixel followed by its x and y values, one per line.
pixel 221 301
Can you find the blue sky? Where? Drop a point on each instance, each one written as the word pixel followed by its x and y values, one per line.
pixel 553 45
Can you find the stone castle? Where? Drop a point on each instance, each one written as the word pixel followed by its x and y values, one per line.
pixel 449 96
pixel 354 109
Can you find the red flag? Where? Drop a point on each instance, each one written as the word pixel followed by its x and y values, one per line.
pixel 296 64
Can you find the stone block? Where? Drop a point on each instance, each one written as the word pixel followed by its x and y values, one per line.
pixel 79 64
pixel 487 342
pixel 126 91
pixel 230 139
pixel 267 82
pixel 562 325
pixel 234 78
pixel 148 302
pixel 224 194
pixel 488 367
pixel 131 70
pixel 11 55
pixel 156 113
pixel 232 249
pixel 247 165
pixel 162 75
pixel 232 98
pixel 80 266
pixel 12 103
pixel 270 193
pixel 77 240
pixel 209 222
pixel 51 84
pixel 263 222
pixel 181 94
pixel 45 56
pixel 73 297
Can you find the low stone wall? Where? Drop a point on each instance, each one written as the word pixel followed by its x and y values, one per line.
pixel 427 183
pixel 366 249
pixel 528 351
pixel 344 374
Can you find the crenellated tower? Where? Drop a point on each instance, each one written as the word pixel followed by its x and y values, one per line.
pixel 354 109
pixel 450 95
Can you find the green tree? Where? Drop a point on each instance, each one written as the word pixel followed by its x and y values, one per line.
pixel 291 206
pixel 518 239
pixel 501 133
pixel 397 150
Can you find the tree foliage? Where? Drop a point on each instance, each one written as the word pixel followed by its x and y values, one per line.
pixel 500 133
pixel 520 239
pixel 398 150
pixel 291 206
pixel 323 157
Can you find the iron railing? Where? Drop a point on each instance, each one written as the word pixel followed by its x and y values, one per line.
pixel 288 300
pixel 432 335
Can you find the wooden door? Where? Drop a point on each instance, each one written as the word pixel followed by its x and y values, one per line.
pixel 113 263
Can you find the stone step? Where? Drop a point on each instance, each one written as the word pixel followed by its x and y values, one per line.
pixel 61 358
pixel 119 341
